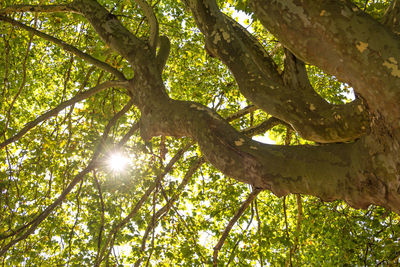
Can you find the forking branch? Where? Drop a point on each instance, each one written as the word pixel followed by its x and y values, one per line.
pixel 153 23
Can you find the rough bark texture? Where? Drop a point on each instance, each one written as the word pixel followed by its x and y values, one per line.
pixel 333 35
pixel 330 34
pixel 260 81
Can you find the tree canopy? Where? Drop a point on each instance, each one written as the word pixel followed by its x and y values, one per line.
pixel 199 132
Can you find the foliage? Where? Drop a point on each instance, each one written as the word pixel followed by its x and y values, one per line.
pixel 37 75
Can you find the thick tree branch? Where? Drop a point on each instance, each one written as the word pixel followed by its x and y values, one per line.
pixel 60 107
pixel 336 171
pixel 151 17
pixel 161 212
pixel 363 172
pixel 346 168
pixel 164 47
pixel 114 34
pixel 67 47
pixel 343 41
pixel 291 99
pixel 295 73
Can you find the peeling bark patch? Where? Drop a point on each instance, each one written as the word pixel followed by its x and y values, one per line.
pixel 391 63
pixel 226 36
pixel 346 13
pixel 217 38
pixel 239 142
pixel 197 107
pixel 299 11
pixel 212 114
pixel 360 108
pixel 361 46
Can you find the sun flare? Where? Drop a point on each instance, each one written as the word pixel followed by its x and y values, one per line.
pixel 117 162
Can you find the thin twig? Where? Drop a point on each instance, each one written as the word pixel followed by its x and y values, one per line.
pixel 241 113
pixel 23 82
pixel 67 47
pixel 285 216
pixel 231 257
pixel 153 223
pixel 236 217
pixel 71 234
pixel 43 215
pixel 141 201
pixel 259 232
pixel 365 5
pixel 63 105
pixel 287 142
pixel 189 228
pixel 91 165
pixel 161 212
pixel 102 213
pixel 262 127
pixel 298 225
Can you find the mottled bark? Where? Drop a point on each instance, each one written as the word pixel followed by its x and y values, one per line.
pixel 290 98
pixel 343 41
pixel 331 34
pixel 346 42
pixel 356 172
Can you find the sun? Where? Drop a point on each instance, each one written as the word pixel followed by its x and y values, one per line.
pixel 117 162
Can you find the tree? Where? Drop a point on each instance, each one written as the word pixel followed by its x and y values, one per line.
pixel 181 88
